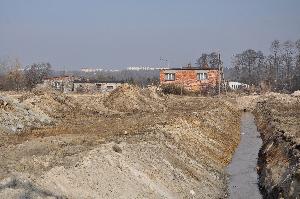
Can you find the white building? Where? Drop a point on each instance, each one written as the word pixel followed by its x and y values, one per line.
pixel 237 85
pixel 91 70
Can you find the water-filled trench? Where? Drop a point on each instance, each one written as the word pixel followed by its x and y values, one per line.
pixel 243 178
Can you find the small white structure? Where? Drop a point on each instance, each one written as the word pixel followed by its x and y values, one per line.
pixel 237 85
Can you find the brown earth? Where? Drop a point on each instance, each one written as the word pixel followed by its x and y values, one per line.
pixel 278 119
pixel 131 143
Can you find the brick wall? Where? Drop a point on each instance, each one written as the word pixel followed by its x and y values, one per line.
pixel 188 78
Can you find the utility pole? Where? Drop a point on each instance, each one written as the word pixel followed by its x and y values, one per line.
pixel 219 66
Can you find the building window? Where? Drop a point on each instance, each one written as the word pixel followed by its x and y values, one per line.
pixel 201 76
pixel 98 85
pixel 170 76
pixel 110 87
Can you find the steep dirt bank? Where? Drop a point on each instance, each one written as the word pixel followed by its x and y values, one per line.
pixel 149 147
pixel 278 120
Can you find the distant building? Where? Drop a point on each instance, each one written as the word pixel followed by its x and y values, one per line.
pixel 67 84
pixel 191 78
pixel 95 70
pixel 237 85
pixel 94 87
pixel 61 83
pixel 143 68
pixel 91 70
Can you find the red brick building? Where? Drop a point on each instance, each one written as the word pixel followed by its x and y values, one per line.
pixel 191 78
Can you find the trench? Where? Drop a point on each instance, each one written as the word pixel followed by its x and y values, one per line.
pixel 243 177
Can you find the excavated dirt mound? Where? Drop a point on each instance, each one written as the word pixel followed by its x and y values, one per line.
pixel 247 102
pixel 15 117
pixel 54 104
pixel 141 167
pixel 165 147
pixel 128 98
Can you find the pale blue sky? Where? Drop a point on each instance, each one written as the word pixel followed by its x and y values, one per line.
pixel 120 33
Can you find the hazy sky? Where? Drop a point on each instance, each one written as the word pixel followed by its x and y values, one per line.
pixel 120 33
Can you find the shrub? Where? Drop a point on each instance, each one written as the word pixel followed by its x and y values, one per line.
pixel 209 90
pixel 173 89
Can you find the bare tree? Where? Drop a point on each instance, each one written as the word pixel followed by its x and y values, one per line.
pixel 202 61
pixel 297 64
pixel 11 75
pixel 260 67
pixel 15 76
pixel 3 68
pixel 296 76
pixel 35 73
pixel 287 59
pixel 245 64
pixel 280 70
pixel 214 60
pixel 275 50
pixel 210 60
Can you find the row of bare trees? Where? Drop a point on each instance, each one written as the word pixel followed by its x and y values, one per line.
pixel 14 77
pixel 280 70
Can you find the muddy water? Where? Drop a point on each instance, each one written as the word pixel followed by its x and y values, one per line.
pixel 243 178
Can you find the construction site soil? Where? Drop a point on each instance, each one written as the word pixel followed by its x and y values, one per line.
pixel 131 143
pixel 278 119
pixel 138 143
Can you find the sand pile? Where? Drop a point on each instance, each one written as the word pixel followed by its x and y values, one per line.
pixel 90 104
pixel 16 117
pixel 54 104
pixel 128 98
